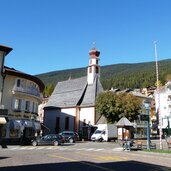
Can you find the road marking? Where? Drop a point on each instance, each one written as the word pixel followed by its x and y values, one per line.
pixel 14 148
pixel 40 148
pixel 102 158
pixel 117 149
pixel 99 149
pixel 112 158
pixel 63 149
pixel 58 148
pixel 70 149
pixel 31 148
pixel 80 149
pixel 23 148
pixel 84 163
pixel 90 149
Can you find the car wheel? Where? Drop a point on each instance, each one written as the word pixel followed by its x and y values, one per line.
pixel 55 143
pixel 101 139
pixel 34 143
pixel 71 140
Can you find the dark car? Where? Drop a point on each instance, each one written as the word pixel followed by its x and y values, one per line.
pixel 50 139
pixel 70 136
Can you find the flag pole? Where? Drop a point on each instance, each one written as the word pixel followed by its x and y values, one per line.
pixel 158 96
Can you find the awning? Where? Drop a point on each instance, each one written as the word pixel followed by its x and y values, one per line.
pixel 3 120
pixel 28 124
pixel 15 124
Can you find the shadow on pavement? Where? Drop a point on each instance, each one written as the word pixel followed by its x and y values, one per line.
pixel 89 166
pixel 1 158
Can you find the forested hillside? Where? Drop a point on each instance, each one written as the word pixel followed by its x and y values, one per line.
pixel 117 76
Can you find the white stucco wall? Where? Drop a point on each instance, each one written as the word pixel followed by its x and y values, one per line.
pixel 88 115
pixel 69 111
pixel 165 106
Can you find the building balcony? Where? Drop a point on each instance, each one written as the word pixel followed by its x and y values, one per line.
pixel 139 124
pixel 27 90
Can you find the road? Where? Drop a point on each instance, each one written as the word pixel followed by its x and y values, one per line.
pixel 85 156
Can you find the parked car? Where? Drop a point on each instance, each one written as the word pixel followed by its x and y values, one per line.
pixel 50 139
pixel 70 136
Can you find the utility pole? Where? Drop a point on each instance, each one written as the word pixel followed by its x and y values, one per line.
pixel 158 97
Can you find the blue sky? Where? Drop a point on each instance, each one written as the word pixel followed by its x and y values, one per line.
pixel 50 35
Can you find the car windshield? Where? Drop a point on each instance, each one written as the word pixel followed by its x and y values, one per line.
pixel 98 132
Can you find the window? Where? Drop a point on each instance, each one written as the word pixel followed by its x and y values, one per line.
pixel 33 106
pixel 67 123
pixel 57 124
pixel 27 106
pixel 18 82
pixel 17 104
pixel 36 108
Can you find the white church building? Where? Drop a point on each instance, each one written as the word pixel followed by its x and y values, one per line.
pixel 72 103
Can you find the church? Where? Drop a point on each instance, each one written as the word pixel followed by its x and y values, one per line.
pixel 72 103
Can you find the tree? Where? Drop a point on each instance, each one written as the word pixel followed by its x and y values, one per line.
pixel 48 90
pixel 168 77
pixel 114 106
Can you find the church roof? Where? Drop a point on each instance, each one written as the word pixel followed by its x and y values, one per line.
pixel 73 92
pixel 91 92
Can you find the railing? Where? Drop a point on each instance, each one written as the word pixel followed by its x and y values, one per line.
pixel 138 123
pixel 27 90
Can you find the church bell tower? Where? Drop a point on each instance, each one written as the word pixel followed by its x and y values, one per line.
pixel 93 68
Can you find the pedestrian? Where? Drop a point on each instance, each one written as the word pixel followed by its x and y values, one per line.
pixel 127 144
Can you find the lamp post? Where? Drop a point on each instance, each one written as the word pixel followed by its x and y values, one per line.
pixel 147 107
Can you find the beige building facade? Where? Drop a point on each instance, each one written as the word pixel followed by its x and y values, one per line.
pixel 21 94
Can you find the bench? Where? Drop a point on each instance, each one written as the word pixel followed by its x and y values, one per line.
pixel 168 141
pixel 137 144
pixel 140 144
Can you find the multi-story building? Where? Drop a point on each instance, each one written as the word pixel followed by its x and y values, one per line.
pixel 21 95
pixel 140 124
pixel 163 105
pixel 3 112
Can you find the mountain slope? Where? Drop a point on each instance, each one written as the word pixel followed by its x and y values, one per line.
pixel 118 75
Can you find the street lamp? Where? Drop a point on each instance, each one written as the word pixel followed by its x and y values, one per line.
pixel 147 107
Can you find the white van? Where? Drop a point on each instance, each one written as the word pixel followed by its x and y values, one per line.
pixel 105 132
